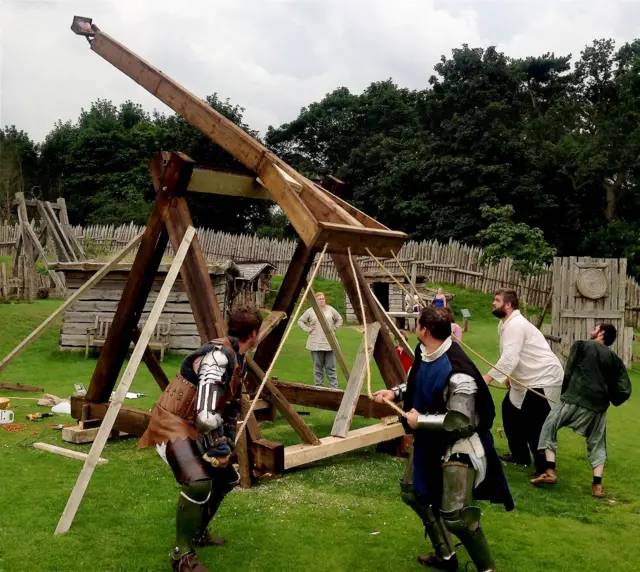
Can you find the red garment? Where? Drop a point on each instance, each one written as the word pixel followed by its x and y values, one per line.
pixel 405 358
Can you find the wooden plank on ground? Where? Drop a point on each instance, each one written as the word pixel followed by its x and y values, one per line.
pixel 125 383
pixel 89 284
pixel 329 333
pixel 20 387
pixel 342 422
pixel 297 455
pixel 67 453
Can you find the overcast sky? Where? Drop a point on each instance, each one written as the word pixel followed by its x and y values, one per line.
pixel 270 56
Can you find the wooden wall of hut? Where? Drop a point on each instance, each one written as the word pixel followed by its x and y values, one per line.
pixel 102 300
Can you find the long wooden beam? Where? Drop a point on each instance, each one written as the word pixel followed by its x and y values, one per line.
pixel 304 206
pixel 97 447
pixel 79 292
pixel 344 417
pixel 297 455
pixel 219 182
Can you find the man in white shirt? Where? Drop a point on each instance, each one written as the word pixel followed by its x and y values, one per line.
pixel 525 354
pixel 317 343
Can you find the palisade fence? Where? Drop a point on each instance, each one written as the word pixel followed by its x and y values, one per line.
pixel 450 262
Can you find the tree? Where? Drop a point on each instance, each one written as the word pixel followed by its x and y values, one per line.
pixel 526 246
pixel 18 167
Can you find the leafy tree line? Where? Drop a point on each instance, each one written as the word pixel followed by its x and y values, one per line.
pixel 555 139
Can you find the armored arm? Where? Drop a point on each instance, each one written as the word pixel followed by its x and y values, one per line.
pixel 399 392
pixel 461 406
pixel 213 377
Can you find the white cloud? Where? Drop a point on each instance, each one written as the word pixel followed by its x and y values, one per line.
pixel 270 56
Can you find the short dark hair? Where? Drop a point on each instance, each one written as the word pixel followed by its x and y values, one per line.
pixel 609 333
pixel 436 321
pixel 243 320
pixel 509 296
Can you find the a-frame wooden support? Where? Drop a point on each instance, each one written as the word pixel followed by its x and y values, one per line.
pixel 319 216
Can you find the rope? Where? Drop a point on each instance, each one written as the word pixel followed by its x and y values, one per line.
pixel 407 277
pixel 293 320
pixel 393 277
pixel 454 337
pixel 366 339
pixel 485 360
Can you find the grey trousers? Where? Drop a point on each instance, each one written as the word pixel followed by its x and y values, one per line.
pixel 324 360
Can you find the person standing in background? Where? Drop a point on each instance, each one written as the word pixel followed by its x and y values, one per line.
pixel 440 300
pixel 456 330
pixel 317 343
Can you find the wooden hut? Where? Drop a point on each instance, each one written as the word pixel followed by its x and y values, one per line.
pixel 95 309
pixel 253 283
pixel 388 293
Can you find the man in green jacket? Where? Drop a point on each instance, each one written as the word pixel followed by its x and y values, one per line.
pixel 594 378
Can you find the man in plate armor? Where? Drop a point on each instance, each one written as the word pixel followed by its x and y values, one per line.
pixel 450 413
pixel 193 427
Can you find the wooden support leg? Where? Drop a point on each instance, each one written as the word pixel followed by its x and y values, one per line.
pixel 152 363
pixel 342 422
pixel 288 294
pixel 202 297
pixel 134 296
pixel 271 393
pixel 123 387
pixel 384 351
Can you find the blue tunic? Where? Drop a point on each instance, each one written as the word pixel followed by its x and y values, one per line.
pixel 431 381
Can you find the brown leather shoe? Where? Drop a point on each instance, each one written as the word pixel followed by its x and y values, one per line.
pixel 188 563
pixel 597 491
pixel 207 540
pixel 434 561
pixel 549 477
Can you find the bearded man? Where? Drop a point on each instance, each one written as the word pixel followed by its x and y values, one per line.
pixel 525 354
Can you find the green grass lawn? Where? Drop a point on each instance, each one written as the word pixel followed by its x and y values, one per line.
pixel 314 519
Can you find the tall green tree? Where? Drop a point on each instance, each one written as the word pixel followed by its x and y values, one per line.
pixel 18 167
pixel 526 246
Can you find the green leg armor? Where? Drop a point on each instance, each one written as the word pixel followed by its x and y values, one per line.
pixel 191 508
pixel 223 482
pixel 433 524
pixel 461 518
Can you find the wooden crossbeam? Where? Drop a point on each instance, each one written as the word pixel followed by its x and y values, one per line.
pixel 342 422
pixel 330 399
pixel 297 455
pixel 125 383
pixel 219 182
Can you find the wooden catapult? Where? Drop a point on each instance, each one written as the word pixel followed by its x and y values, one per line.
pixel 320 219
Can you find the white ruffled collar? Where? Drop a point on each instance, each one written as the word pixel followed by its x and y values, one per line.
pixel 438 353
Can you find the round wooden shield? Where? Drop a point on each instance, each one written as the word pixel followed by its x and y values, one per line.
pixel 592 283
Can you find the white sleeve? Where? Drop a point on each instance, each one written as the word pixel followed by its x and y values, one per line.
pixel 510 356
